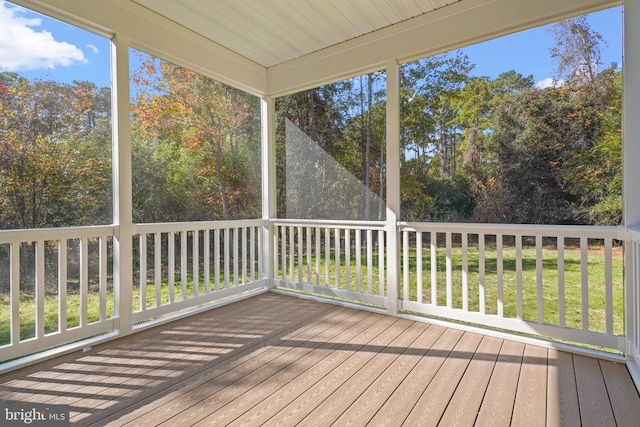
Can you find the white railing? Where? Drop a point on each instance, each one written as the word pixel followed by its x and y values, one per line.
pixel 560 282
pixel 633 305
pixel 339 259
pixel 55 287
pixel 183 265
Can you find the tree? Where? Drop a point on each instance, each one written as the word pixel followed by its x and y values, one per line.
pixel 209 126
pixel 55 167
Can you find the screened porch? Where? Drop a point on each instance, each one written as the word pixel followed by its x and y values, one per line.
pixel 304 313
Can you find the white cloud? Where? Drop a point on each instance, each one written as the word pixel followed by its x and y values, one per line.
pixel 23 48
pixel 549 82
pixel 93 48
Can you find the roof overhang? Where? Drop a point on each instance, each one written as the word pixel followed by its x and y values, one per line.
pixel 271 48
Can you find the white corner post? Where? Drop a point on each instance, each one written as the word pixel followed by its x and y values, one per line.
pixel 393 186
pixel 630 180
pixel 268 168
pixel 122 194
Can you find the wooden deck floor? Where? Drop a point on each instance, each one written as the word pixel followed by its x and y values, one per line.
pixel 278 360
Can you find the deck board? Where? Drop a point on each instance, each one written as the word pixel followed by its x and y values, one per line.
pixel 279 360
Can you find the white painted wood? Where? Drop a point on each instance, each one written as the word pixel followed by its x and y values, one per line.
pixel 358 260
pixel 369 261
pixel 465 271
pixel 157 267
pixel 309 246
pixel 392 163
pixel 561 293
pixel 419 284
pixel 347 259
pixel 62 285
pixel 405 265
pixel 500 273
pixel 207 260
pixel 434 268
pixel 327 256
pixel 84 281
pixel 449 272
pixel 235 241
pixel 519 276
pixel 171 268
pixel 122 193
pixel 608 277
pixel 39 291
pixel 184 252
pixel 292 253
pixel 216 258
pixel 630 179
pixel 195 262
pixel 381 265
pixel 481 274
pixel 336 256
pixel 584 274
pixel 252 255
pixel 318 255
pixel 539 294
pixel 103 254
pixel 300 247
pixel 142 272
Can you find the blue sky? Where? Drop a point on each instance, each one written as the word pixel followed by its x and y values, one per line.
pixel 38 47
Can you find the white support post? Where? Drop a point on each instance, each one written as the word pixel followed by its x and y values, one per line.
pixel 122 193
pixel 269 210
pixel 393 186
pixel 630 179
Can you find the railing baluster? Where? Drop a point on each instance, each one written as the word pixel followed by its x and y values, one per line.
pixel 40 284
pixel 157 266
pixel 561 295
pixel 482 306
pixel 235 243
pixel 183 264
pixel 171 268
pixel 434 267
pixel 195 262
pixel 226 257
pixel 337 255
pixel 519 284
pixel 347 259
pixel 308 248
pixel 300 259
pixel 14 285
pixel 252 253
pixel 500 274
pixel 245 241
pixel 62 285
pixel 465 271
pixel 608 277
pixel 292 254
pixel 405 264
pixel 283 244
pixel 449 272
pixel 419 296
pixel 143 271
pixel 358 255
pixel 102 273
pixel 206 258
pixel 216 258
pixel 381 263
pixel 539 294
pixel 318 254
pixel 369 262
pixel 327 256
pixel 584 274
pixel 84 281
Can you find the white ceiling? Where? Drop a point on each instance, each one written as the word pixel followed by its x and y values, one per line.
pixel 271 32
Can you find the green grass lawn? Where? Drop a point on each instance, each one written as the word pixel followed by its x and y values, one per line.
pixel 572 277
